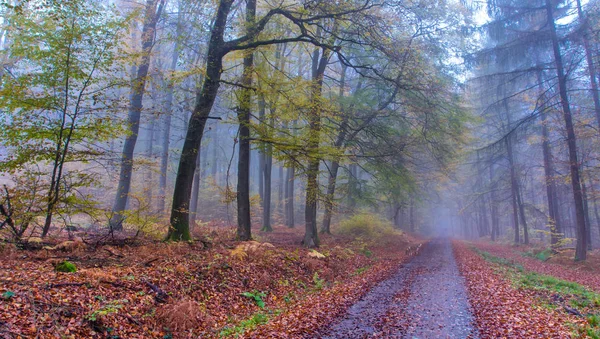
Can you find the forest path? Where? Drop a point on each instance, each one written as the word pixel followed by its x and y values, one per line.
pixel 426 298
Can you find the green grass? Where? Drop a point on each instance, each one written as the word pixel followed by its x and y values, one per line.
pixel 245 325
pixel 576 295
pixel 539 255
pixel 497 260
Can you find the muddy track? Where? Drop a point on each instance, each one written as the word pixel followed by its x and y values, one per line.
pixel 426 298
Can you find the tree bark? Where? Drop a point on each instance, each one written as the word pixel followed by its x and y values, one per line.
pixel 164 159
pixel 335 164
pixel 280 184
pixel 205 98
pixel 195 190
pixel 586 211
pixel 244 229
pixel 153 12
pixel 311 237
pixel 581 248
pixel 494 205
pixel 266 227
pixel 289 195
pixel 590 61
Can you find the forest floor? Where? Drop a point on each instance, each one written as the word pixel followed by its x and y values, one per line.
pixel 398 287
pixel 523 292
pixel 214 288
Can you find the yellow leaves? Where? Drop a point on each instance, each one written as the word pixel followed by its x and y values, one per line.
pixel 239 253
pixel 242 250
pixel 315 254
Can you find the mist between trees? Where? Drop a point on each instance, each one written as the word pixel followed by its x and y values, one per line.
pixel 156 116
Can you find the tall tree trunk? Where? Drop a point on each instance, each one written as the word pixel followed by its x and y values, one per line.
pixel 290 178
pixel 335 164
pixel 581 249
pixel 153 12
pixel 333 171
pixel 280 189
pixel 166 137
pixel 311 237
pixel 149 187
pixel 494 205
pixel 205 98
pixel 522 213
pixel 484 225
pixel 195 190
pixel 553 211
pixel 214 166
pixel 586 211
pixel 594 201
pixel 352 187
pixel 590 61
pixel 262 107
pixel 514 192
pixel 244 229
pixel 266 227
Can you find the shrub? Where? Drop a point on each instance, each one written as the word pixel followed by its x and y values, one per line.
pixel 65 266
pixel 367 226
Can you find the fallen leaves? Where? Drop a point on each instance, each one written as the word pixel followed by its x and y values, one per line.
pixel 572 272
pixel 502 311
pixel 157 290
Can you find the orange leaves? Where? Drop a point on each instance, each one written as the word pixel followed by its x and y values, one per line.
pixel 204 288
pixel 500 310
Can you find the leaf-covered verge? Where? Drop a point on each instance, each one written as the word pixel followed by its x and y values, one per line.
pixel 560 265
pixel 503 309
pixel 209 289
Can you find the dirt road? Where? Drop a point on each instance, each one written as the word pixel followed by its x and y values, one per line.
pixel 426 298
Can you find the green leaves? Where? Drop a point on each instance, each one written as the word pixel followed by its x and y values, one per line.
pixel 257 296
pixel 8 295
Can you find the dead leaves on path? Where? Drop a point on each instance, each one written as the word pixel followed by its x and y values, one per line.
pixel 502 311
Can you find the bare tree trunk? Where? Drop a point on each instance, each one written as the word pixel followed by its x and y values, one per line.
pixel 553 211
pixel 153 12
pixel 581 249
pixel 311 237
pixel 333 171
pixel 195 191
pixel 267 193
pixel 164 159
pixel 214 167
pixel 514 192
pixel 280 184
pixel 149 187
pixel 594 201
pixel 205 98
pixel 586 211
pixel 289 195
pixel 262 106
pixel 352 187
pixel 244 229
pixel 590 61
pixel 335 164
pixel 494 205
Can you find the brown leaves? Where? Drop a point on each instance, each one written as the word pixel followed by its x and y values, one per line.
pixel 500 310
pixel 203 287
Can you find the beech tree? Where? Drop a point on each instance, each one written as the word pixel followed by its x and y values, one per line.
pixel 58 97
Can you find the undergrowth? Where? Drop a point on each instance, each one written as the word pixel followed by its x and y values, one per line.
pixel 542 255
pixel 367 226
pixel 249 324
pixel 554 292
